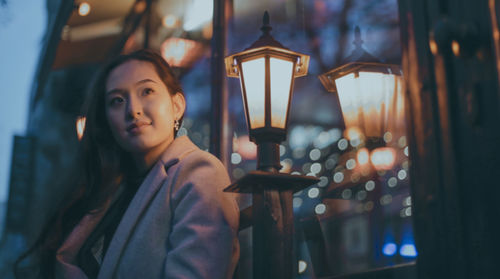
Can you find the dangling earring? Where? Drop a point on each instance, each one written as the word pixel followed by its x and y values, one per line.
pixel 177 125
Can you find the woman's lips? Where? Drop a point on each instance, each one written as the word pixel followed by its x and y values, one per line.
pixel 137 127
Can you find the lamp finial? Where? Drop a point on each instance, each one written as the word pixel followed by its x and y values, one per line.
pixel 358 42
pixel 266 28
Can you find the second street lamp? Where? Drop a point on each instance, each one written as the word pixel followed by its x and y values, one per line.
pixel 267 70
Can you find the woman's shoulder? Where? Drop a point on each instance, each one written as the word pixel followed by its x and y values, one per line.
pixel 183 155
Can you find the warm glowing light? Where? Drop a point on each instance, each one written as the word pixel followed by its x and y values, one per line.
pixel 180 52
pixel 254 77
pixel 140 6
pixel 433 46
pixel 84 9
pixel 353 133
pixel 281 80
pixel 383 158
pixel 170 21
pixel 363 156
pixel 246 148
pixel 455 47
pixel 80 126
pixel 370 102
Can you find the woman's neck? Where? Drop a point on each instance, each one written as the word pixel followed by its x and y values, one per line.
pixel 144 161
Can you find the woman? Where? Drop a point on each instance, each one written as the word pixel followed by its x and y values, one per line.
pixel 147 205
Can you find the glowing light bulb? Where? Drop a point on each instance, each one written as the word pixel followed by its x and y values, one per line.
pixel 84 9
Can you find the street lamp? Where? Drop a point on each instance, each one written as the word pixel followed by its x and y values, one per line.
pixel 370 93
pixel 267 70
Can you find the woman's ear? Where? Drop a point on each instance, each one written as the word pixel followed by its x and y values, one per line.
pixel 179 104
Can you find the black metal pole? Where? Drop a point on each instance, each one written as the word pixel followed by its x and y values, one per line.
pixel 218 126
pixel 272 222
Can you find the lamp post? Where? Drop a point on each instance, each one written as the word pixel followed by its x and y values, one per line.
pixel 267 70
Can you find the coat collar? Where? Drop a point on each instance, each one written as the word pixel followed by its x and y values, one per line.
pixel 179 148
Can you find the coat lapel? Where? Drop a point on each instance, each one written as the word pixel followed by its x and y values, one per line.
pixel 149 188
pixel 144 195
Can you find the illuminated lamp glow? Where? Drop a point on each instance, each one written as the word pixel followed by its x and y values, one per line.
pixel 80 126
pixel 179 52
pixel 84 9
pixel 389 249
pixel 408 250
pixel 383 158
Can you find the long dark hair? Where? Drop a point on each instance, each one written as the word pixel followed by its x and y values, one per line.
pixel 102 164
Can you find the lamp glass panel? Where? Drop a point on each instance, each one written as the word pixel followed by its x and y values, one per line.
pixel 367 101
pixel 254 76
pixel 349 97
pixel 281 81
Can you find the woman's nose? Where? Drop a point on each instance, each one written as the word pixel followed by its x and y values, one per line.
pixel 134 108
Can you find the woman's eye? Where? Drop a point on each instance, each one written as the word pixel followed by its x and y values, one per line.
pixel 147 91
pixel 116 100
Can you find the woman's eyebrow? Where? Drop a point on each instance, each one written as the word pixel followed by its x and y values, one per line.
pixel 115 90
pixel 145 81
pixel 118 90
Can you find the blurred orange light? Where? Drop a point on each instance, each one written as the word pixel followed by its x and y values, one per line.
pixel 246 148
pixel 80 126
pixel 353 133
pixel 83 9
pixel 383 158
pixel 140 6
pixel 180 52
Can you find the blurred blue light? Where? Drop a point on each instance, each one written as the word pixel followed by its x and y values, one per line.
pixel 408 250
pixel 389 249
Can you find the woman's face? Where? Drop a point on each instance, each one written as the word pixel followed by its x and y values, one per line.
pixel 139 108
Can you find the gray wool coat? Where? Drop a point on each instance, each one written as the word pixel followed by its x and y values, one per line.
pixel 178 225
